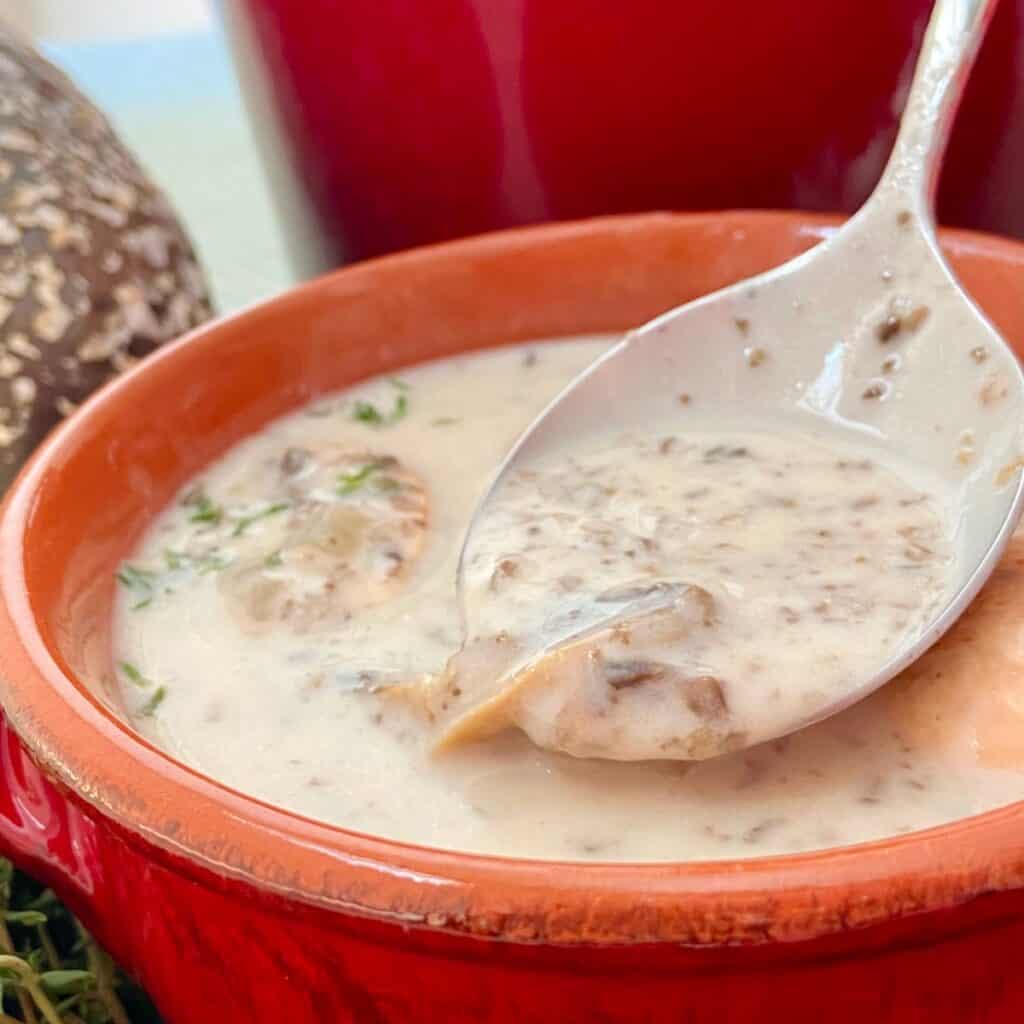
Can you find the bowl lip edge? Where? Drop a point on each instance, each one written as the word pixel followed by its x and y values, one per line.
pixel 725 901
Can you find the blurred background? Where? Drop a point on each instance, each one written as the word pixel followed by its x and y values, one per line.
pixel 293 136
pixel 162 71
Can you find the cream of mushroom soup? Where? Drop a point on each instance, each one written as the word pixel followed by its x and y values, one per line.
pixel 289 626
pixel 722 585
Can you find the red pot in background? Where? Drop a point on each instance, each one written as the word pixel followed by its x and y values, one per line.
pixel 412 122
pixel 235 912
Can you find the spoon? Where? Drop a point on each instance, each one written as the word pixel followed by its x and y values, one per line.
pixel 825 319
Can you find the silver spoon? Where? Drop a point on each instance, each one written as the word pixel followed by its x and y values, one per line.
pixel 824 317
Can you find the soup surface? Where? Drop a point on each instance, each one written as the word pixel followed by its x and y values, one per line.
pixel 286 623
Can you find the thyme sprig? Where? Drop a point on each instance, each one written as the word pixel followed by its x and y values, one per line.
pixel 51 970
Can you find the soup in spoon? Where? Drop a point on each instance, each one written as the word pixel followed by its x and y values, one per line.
pixel 723 577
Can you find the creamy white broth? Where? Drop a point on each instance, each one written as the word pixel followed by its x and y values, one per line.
pixel 751 578
pixel 235 658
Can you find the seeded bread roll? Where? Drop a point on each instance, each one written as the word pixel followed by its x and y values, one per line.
pixel 95 270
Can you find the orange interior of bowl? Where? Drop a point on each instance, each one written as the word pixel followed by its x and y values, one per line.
pixel 94 487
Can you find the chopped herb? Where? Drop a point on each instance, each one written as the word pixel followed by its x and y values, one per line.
pixel 154 702
pixel 138 580
pixel 135 578
pixel 386 484
pixel 444 421
pixel 367 412
pixel 201 563
pixel 243 524
pixel 348 483
pixel 174 559
pixel 206 511
pixel 397 382
pixel 132 673
pixel 273 560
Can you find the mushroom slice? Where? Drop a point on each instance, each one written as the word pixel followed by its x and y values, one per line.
pixel 355 525
pixel 623 689
pixel 593 702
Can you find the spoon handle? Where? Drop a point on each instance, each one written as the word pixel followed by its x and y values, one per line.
pixel 950 45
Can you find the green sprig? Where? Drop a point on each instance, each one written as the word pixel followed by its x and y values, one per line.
pixel 203 509
pixel 140 581
pixel 349 483
pixel 367 412
pixel 244 522
pixel 51 970
pixel 149 708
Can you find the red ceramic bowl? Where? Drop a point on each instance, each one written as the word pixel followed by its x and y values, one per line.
pixel 407 123
pixel 230 910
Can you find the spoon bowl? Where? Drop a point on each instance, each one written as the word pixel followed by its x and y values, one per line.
pixel 868 333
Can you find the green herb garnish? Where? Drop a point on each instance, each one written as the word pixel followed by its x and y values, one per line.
pixel 201 563
pixel 367 412
pixel 175 559
pixel 139 581
pixel 242 524
pixel 205 511
pixel 444 421
pixel 210 563
pixel 348 483
pixel 397 382
pixel 133 673
pixel 154 702
pixel 135 578
pixel 273 560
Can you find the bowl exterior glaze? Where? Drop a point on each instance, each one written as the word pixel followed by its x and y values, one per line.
pixel 231 911
pixel 408 124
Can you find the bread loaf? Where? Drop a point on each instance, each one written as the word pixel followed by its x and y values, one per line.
pixel 95 270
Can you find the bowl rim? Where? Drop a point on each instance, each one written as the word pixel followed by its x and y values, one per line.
pixel 709 903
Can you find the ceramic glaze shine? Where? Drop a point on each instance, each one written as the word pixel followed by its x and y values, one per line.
pixel 266 615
